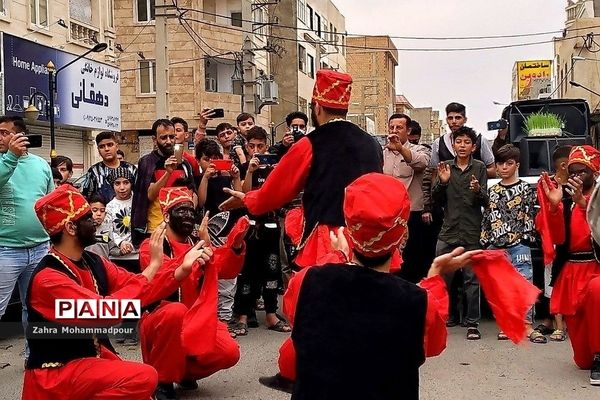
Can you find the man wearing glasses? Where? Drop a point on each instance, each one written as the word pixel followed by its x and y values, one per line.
pixel 296 129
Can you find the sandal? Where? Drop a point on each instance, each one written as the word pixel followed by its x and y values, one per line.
pixel 544 330
pixel 240 328
pixel 558 335
pixel 473 333
pixel 502 336
pixel 280 326
pixel 537 337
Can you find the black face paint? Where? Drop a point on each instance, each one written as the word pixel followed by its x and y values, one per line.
pixel 182 219
pixel 86 230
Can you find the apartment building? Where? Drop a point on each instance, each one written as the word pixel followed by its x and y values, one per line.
pixel 205 62
pixel 372 62
pixel 35 32
pixel 312 36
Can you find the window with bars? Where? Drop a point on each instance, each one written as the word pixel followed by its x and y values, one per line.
pixel 38 12
pixel 301 58
pixel 145 10
pixel 147 75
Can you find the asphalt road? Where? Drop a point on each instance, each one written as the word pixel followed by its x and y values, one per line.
pixel 486 369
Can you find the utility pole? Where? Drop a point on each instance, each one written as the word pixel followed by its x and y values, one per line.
pixel 162 66
pixel 248 64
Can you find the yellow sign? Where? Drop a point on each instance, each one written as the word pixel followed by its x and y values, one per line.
pixel 532 77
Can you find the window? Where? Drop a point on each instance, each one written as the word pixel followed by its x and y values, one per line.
pixel 311 17
pixel 333 31
pixel 311 65
pixel 236 19
pixel 110 16
pixel 302 11
pixel 147 77
pixel 301 58
pixel 2 7
pixel 324 30
pixel 317 27
pixel 260 20
pixel 38 9
pixel 145 10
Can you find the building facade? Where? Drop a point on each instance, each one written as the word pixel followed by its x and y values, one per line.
pixel 403 106
pixel 372 62
pixel 206 64
pixel 431 125
pixel 35 32
pixel 311 34
pixel 576 54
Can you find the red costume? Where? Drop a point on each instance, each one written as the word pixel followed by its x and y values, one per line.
pixel 376 227
pixel 576 292
pixel 322 164
pixel 181 337
pixel 82 368
pixel 374 230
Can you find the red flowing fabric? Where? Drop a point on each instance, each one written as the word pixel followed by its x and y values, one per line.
pixel 542 223
pixel 228 267
pixel 293 223
pixel 509 294
pixel 199 333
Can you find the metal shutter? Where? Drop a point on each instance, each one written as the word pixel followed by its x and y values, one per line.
pixel 69 143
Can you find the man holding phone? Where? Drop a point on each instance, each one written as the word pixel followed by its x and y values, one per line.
pixel 182 136
pixel 157 170
pixel 296 129
pixel 24 178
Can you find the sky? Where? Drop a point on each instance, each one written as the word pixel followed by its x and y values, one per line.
pixel 474 78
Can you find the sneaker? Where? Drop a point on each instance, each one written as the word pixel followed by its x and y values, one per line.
pixel 595 372
pixel 451 323
pixel 277 382
pixel 165 391
pixel 188 384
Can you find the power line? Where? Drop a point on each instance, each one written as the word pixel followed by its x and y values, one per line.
pixel 395 49
pixel 138 35
pixel 180 61
pixel 506 36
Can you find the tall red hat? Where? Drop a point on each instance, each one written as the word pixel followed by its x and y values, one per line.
pixel 586 155
pixel 65 204
pixel 376 208
pixel 332 89
pixel 171 196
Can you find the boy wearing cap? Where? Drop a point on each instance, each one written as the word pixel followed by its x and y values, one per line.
pixel 576 291
pixel 322 164
pixel 87 366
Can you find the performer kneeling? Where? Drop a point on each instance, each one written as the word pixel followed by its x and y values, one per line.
pixel 396 323
pixel 87 366
pixel 181 336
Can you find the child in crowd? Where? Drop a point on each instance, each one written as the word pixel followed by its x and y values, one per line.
pixel 64 165
pixel 210 196
pixel 508 222
pixel 238 154
pixel 118 210
pixel 103 246
pixel 553 325
pixel 460 189
pixel 262 267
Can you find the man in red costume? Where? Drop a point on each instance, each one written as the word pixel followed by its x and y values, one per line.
pixel 322 164
pixel 376 210
pixel 87 366
pixel 576 292
pixel 338 305
pixel 181 336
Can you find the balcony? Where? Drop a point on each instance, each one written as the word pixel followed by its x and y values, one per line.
pixel 83 34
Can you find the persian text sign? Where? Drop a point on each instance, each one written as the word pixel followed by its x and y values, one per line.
pixel 531 74
pixel 88 92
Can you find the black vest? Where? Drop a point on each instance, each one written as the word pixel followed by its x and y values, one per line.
pixel 562 250
pixel 446 155
pixel 341 152
pixel 358 335
pixel 50 352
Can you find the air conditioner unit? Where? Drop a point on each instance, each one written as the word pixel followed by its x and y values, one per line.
pixel 269 91
pixel 211 84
